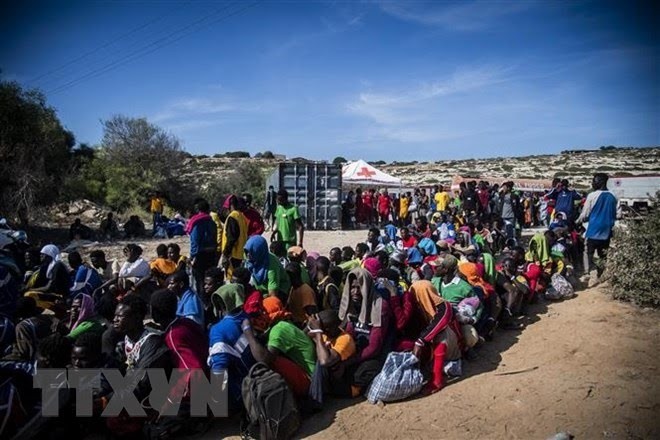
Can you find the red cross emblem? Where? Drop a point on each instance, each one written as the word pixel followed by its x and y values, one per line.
pixel 364 171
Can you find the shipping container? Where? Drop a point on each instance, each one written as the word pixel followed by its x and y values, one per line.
pixel 315 188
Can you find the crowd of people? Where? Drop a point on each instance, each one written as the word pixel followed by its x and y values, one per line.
pixel 437 280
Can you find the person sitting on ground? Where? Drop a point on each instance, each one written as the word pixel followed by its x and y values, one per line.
pixel 253 298
pixel 402 303
pixel 375 241
pixel 134 227
pixel 288 350
pixel 334 348
pixel 53 282
pixel 141 348
pixel 366 317
pixel 408 240
pixel 302 300
pixel 174 254
pixel 329 295
pixel 83 318
pixel 349 257
pixel 162 266
pixel 539 262
pixel 455 289
pixel 78 231
pixel 511 293
pixel 268 275
pixel 189 306
pixel 32 326
pixel 186 340
pixel 214 278
pixel 335 256
pixel 134 269
pixel 296 254
pixel 32 259
pixel 492 305
pixel 278 249
pixel 440 332
pixel 85 278
pixel 228 348
pixel 109 229
pixel 108 270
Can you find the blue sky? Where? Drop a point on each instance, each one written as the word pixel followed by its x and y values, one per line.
pixel 372 80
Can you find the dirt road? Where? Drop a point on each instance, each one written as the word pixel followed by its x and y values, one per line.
pixel 589 366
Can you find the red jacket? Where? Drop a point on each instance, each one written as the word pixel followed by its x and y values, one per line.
pixel 189 348
pixel 255 222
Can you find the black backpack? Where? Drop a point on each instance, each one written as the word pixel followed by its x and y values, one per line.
pixel 271 409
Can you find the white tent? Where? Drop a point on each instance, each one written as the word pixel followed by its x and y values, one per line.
pixel 361 173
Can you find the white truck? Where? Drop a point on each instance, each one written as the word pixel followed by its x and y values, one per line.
pixel 636 193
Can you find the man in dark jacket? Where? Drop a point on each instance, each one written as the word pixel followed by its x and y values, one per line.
pixel 203 242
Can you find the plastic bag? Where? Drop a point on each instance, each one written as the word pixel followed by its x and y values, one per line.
pixel 399 379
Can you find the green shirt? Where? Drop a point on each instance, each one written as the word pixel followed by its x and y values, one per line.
pixel 456 291
pixel 294 344
pixel 87 326
pixel 437 282
pixel 349 265
pixel 285 219
pixel 304 275
pixel 277 280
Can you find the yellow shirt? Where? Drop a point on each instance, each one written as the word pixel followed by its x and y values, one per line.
pixel 237 251
pixel 441 201
pixel 404 202
pixel 156 204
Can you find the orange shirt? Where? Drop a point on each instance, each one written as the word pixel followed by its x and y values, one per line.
pixel 343 344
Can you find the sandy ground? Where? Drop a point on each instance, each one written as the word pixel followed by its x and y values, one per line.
pixel 588 366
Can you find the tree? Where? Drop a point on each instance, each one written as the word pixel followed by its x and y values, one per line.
pixel 35 151
pixel 339 160
pixel 138 158
pixel 267 155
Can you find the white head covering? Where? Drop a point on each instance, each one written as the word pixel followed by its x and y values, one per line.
pixel 53 252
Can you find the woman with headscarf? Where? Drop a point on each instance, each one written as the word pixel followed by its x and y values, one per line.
pixel 269 276
pixel 440 334
pixel 539 262
pixel 366 317
pixel 83 317
pixel 53 281
pixel 288 350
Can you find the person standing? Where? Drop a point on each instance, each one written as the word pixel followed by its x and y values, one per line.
pixel 156 210
pixel 270 205
pixel 600 211
pixel 565 199
pixel 508 203
pixel 289 227
pixel 234 237
pixel 441 199
pixel 203 242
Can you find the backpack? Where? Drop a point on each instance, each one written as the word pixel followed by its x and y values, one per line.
pixel 270 406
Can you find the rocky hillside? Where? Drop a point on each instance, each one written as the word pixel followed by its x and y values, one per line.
pixel 577 166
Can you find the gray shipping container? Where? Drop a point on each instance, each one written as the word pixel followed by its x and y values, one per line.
pixel 315 188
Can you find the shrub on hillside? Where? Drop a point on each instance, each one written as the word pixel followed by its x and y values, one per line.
pixel 633 267
pixel 237 154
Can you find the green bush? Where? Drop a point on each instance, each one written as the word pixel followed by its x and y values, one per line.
pixel 633 267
